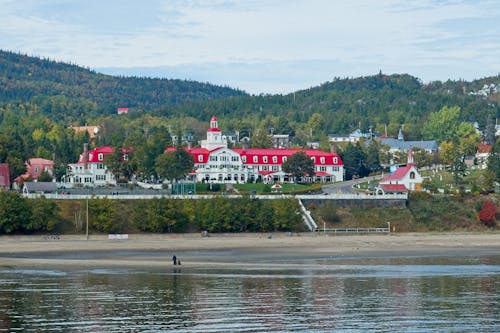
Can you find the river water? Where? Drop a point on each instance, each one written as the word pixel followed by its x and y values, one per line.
pixel 438 294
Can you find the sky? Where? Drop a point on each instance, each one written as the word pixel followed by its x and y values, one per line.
pixel 261 46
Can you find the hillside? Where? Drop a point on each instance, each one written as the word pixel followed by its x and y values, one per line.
pixel 344 105
pixel 50 84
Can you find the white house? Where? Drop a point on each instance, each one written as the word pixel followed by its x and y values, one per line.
pixel 90 169
pixel 405 178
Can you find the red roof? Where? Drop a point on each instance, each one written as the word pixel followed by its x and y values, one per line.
pixel 213 129
pixel 482 148
pixel 275 156
pixel 394 188
pixel 399 173
pixel 322 173
pixel 4 175
pixel 93 154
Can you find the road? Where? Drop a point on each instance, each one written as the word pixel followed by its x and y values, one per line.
pixel 346 187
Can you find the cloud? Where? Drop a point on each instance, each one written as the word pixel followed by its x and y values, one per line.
pixel 240 42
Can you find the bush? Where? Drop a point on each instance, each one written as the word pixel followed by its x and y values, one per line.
pixel 487 213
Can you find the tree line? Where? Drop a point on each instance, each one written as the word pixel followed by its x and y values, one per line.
pixel 19 215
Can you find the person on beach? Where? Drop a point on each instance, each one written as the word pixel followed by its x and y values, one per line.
pixel 174 259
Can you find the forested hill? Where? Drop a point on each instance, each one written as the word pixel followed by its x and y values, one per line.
pixel 345 104
pixel 51 84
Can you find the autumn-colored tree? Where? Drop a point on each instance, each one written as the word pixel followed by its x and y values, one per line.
pixel 487 213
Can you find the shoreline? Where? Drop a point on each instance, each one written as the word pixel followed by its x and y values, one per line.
pixel 240 250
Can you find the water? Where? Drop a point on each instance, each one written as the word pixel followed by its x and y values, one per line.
pixel 358 295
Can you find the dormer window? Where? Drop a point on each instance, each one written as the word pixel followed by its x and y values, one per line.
pixel 200 158
pixel 264 159
pixel 313 159
pixel 244 159
pixel 322 160
pixel 335 160
pixel 100 157
pixel 255 159
pixel 284 159
pixel 275 159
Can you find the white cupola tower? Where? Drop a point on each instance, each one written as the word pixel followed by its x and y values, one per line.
pixel 410 157
pixel 215 139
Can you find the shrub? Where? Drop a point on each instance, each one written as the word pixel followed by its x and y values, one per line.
pixel 487 213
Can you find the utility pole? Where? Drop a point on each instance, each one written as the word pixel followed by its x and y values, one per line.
pixel 87 228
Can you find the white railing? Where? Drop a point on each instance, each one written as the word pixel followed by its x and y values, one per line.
pixel 337 196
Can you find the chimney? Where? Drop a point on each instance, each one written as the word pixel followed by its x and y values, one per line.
pixel 85 155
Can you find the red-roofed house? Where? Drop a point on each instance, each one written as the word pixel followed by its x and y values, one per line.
pixel 4 176
pixel 34 167
pixel 214 162
pixel 405 178
pixel 90 169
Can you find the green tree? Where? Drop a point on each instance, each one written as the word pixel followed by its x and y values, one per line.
pixel 446 152
pixel 45 215
pixel 299 165
pixel 261 139
pixel 494 160
pixel 354 161
pixel 114 162
pixel 442 125
pixel 373 156
pixel 101 216
pixel 15 212
pixel 45 176
pixel 175 164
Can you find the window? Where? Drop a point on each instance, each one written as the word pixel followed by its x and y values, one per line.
pixel 284 159
pixel 275 159
pixel 100 157
pixel 322 168
pixel 313 159
pixel 244 159
pixel 335 160
pixel 35 170
pixel 412 175
pixel 255 159
pixel 213 158
pixel 264 159
pixel 322 160
pixel 200 158
pixel 235 158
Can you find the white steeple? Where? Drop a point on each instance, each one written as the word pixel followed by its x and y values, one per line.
pixel 410 157
pixel 215 139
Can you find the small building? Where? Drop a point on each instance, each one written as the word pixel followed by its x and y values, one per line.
pixel 39 187
pixel 4 176
pixel 404 178
pixel 353 137
pixel 122 110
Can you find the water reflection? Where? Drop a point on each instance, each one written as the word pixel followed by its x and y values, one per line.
pixel 415 296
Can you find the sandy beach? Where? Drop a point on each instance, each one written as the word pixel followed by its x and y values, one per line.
pixel 238 249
